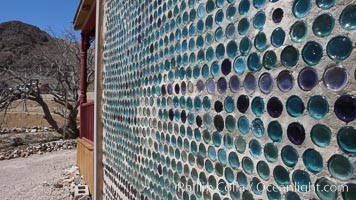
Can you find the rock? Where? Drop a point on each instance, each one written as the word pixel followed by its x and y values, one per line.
pixel 66 192
pixel 71 180
pixel 5 130
pixel 68 180
pixel 58 185
pixel 44 183
pixel 24 154
pixel 18 130
pixel 77 180
pixel 33 130
pixel 2 157
pixel 39 149
pixel 17 141
pixel 71 170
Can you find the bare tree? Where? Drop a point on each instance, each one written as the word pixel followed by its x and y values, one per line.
pixel 62 66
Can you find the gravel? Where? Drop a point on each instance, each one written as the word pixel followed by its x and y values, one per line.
pixel 38 177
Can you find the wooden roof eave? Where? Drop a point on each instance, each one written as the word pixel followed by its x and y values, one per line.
pixel 83 13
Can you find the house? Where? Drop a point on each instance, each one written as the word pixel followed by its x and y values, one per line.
pixel 219 99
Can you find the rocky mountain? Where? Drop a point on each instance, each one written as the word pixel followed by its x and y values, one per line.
pixel 19 40
pixel 28 50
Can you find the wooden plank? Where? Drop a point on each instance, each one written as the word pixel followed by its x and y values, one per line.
pixel 85 162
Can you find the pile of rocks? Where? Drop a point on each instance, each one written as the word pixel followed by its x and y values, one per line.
pixel 70 179
pixel 40 148
pixel 33 129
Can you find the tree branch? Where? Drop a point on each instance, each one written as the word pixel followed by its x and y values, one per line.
pixel 58 113
pixel 60 64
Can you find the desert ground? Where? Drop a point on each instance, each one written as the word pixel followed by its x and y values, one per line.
pixel 42 173
pixel 36 177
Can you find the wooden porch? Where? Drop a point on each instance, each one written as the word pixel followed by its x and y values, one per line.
pixel 84 20
pixel 85 146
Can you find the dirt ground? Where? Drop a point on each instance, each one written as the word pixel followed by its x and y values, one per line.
pixel 28 114
pixel 34 177
pixel 26 120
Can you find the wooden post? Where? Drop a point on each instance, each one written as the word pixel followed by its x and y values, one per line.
pixel 83 76
pixel 83 67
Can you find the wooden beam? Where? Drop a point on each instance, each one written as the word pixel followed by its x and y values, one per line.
pixel 84 11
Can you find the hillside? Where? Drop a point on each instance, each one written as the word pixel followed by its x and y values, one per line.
pixel 19 38
pixel 31 53
pixel 25 49
pixel 20 43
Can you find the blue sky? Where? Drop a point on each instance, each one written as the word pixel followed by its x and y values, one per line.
pixel 58 14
